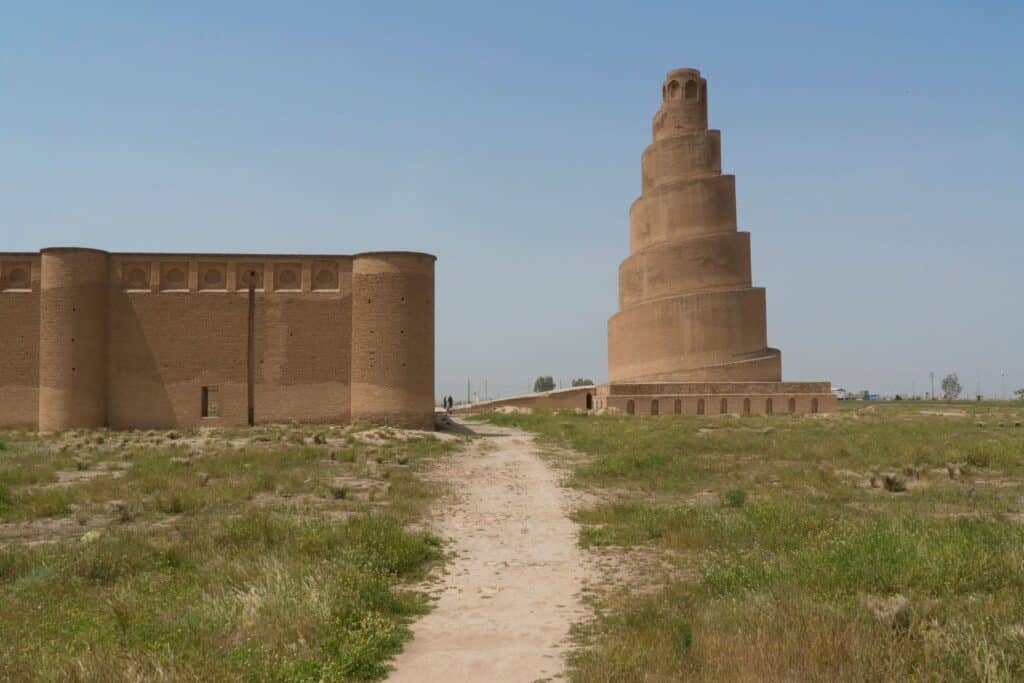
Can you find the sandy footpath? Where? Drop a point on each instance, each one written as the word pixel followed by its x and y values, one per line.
pixel 513 589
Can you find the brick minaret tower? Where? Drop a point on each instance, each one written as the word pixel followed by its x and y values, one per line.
pixel 687 310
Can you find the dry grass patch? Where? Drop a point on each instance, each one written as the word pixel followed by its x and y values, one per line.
pixel 277 554
pixel 884 543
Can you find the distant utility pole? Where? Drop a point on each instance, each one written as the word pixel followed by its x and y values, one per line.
pixel 1002 385
pixel 932 375
pixel 486 394
pixel 979 384
pixel 467 391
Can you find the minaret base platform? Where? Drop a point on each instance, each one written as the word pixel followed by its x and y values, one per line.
pixel 716 398
pixel 669 399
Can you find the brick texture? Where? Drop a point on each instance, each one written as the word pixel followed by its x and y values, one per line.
pixel 130 340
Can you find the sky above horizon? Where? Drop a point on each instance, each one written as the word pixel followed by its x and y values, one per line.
pixel 877 150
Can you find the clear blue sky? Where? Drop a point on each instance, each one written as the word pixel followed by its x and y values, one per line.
pixel 877 149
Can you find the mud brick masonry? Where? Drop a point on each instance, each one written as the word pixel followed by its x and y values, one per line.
pixel 90 338
pixel 690 336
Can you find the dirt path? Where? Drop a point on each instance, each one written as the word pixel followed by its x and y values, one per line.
pixel 513 589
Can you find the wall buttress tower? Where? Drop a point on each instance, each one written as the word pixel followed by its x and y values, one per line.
pixel 74 290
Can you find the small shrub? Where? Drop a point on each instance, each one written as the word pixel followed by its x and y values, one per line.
pixel 172 503
pixel 6 500
pixel 979 459
pixel 913 471
pixel 894 483
pixel 682 636
pixel 348 455
pixel 734 498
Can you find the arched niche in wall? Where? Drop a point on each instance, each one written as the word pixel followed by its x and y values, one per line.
pixel 174 276
pixel 212 276
pixel 325 276
pixel 135 276
pixel 287 277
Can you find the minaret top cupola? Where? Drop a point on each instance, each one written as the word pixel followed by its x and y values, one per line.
pixel 684 104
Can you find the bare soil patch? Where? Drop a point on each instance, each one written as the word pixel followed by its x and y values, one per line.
pixel 515 583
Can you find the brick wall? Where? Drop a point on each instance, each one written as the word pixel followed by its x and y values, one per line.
pixel 19 340
pixel 162 327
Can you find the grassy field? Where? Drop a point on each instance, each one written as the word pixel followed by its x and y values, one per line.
pixel 277 554
pixel 885 542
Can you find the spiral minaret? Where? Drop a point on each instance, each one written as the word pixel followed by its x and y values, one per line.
pixel 687 309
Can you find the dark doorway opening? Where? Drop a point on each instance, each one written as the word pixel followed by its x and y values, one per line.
pixel 210 405
pixel 590 402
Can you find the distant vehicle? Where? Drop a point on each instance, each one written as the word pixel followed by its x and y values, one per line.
pixel 839 393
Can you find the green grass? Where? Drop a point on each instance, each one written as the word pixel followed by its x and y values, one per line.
pixel 767 540
pixel 215 561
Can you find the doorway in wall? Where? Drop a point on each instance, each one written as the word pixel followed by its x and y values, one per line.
pixel 590 402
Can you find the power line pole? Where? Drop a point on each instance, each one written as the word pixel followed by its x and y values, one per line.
pixel 467 391
pixel 250 354
pixel 932 375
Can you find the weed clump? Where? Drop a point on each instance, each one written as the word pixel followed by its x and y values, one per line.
pixel 734 498
pixel 893 611
pixel 894 483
